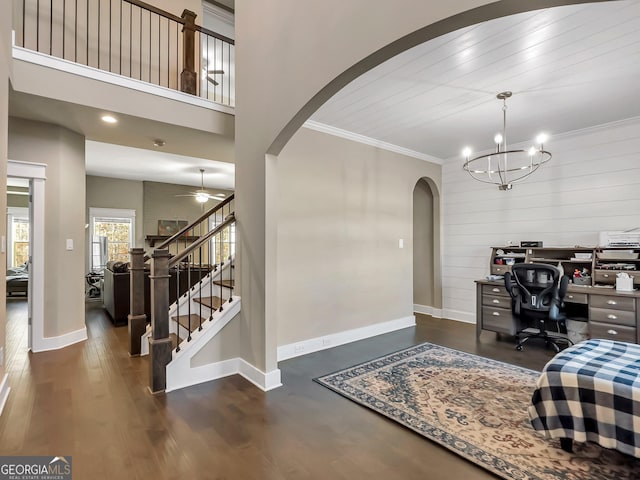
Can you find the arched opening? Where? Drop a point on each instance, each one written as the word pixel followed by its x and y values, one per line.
pixel 266 125
pixel 427 289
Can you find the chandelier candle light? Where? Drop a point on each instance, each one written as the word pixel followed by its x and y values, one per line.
pixel 505 167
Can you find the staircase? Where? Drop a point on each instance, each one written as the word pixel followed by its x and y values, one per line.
pixel 178 331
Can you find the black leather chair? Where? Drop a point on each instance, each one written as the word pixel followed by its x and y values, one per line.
pixel 537 292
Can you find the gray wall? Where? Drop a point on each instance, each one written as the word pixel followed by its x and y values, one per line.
pixel 162 203
pixel 63 153
pixel 423 246
pixel 342 208
pixel 104 192
pixel 590 185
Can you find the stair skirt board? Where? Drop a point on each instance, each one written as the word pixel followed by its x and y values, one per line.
pixel 217 278
pixel 214 324
pixel 202 285
pixel 234 366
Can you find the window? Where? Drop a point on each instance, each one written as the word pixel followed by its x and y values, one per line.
pixel 224 243
pixel 112 234
pixel 18 223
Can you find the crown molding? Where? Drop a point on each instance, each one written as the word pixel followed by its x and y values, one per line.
pixel 219 11
pixel 338 132
pixel 595 128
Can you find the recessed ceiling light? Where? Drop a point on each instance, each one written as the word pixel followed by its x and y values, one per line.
pixel 109 119
pixel 158 142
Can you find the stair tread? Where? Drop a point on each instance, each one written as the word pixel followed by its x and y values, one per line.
pixel 211 302
pixel 184 321
pixel 174 340
pixel 224 283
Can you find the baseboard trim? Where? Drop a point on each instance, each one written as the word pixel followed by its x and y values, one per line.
pixel 214 371
pixel 204 373
pixel 304 347
pixel 264 381
pixel 55 343
pixel 4 391
pixel 459 315
pixel 426 310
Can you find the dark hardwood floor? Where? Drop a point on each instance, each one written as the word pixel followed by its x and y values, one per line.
pixel 90 401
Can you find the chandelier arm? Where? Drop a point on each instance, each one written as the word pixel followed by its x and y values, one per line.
pixel 484 181
pixel 517 179
pixel 480 157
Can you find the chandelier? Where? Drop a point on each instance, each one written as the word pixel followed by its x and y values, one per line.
pixel 505 167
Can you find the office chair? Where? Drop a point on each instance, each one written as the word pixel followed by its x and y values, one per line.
pixel 537 292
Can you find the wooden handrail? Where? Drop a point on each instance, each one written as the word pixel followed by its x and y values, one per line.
pixel 211 33
pixel 205 238
pixel 202 217
pixel 155 10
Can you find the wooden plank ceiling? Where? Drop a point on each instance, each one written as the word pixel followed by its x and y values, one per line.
pixel 568 67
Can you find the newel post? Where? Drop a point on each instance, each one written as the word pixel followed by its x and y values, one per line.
pixel 160 344
pixel 188 77
pixel 137 323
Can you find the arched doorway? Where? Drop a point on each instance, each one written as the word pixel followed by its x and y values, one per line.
pixel 427 288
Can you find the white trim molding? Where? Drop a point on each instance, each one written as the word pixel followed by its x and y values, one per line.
pixel 4 392
pixel 426 310
pixel 55 343
pixel 55 63
pixel 234 366
pixel 36 173
pixel 304 347
pixel 264 381
pixel 356 137
pixel 219 13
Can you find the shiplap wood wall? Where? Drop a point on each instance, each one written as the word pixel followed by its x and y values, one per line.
pixel 592 184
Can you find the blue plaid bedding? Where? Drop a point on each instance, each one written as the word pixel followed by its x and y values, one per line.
pixel 591 392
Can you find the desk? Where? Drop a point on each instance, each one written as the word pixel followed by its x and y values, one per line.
pixel 611 314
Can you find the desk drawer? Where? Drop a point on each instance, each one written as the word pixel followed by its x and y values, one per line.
pixel 576 298
pixel 609 276
pixel 498 290
pixel 497 319
pixel 500 269
pixel 613 302
pixel 605 276
pixel 612 332
pixel 617 317
pixel 495 301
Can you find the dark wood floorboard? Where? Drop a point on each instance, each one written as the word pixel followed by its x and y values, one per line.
pixel 90 401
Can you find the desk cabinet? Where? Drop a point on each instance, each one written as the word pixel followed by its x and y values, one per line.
pixel 611 314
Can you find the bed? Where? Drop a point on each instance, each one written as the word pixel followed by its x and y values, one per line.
pixel 591 392
pixel 18 280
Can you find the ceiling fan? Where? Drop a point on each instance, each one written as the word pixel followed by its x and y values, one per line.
pixel 214 72
pixel 202 196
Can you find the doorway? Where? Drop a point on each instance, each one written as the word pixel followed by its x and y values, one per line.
pixel 28 179
pixel 426 245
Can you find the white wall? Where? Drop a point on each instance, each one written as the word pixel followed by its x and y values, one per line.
pixel 591 184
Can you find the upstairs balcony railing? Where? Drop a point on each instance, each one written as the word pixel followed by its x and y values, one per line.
pixel 133 39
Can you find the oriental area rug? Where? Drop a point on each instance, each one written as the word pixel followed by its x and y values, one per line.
pixel 475 407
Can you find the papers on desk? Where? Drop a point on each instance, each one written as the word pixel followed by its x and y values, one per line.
pixel 495 278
